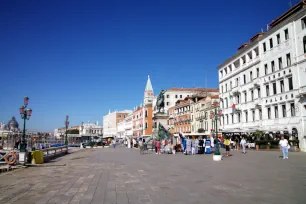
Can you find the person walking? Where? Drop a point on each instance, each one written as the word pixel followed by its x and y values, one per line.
pixel 242 143
pixel 141 146
pixel 153 145
pixel 114 143
pixel 227 144
pixel 189 144
pixel 284 146
pixel 158 143
pixel 193 146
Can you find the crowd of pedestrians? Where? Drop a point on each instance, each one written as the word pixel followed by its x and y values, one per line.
pixel 200 145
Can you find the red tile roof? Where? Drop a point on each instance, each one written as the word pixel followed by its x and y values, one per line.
pixel 258 35
pixel 195 89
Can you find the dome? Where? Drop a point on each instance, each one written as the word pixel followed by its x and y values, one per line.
pixel 13 124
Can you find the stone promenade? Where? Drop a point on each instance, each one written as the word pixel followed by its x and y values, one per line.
pixel 105 176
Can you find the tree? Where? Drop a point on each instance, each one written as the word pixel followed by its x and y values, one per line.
pixel 73 131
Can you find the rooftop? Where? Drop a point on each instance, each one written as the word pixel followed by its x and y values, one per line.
pixel 195 89
pixel 272 25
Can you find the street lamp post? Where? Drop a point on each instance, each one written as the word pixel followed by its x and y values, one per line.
pixel 25 115
pixel 66 124
pixel 215 115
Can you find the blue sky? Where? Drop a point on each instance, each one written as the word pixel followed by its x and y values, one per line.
pixel 83 58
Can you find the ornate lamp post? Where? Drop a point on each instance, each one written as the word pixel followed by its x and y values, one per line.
pixel 25 115
pixel 66 124
pixel 216 115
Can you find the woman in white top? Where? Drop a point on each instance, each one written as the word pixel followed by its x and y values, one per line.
pixel 283 143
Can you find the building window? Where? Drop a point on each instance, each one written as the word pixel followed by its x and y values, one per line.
pixel 278 39
pixel 226 103
pixel 253 115
pixel 225 87
pixel 290 83
pixel 119 116
pixel 237 81
pixel 273 66
pixel 168 96
pixel 264 47
pixel 274 88
pixel 238 99
pixel 168 103
pixel 303 21
pixel 222 89
pixel 251 75
pixel 288 59
pixel 292 109
pixel 260 114
pixel 175 96
pixel 245 97
pixel 284 110
pixel 282 86
pixel 269 113
pixel 227 119
pixel 304 44
pixel 266 69
pixel 271 43
pixel 257 72
pixel 231 85
pixel 243 60
pixel 286 34
pixel 146 125
pixel 146 113
pixel 246 116
pixel 280 63
pixel 276 111
pixel 267 90
pixel 258 92
pixel 233 119
pixel 239 117
pixel 181 96
pixel 244 79
pixel 252 95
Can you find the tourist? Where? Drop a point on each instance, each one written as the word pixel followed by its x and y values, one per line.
pixel 227 144
pixel 212 143
pixel 196 146
pixel 158 143
pixel 242 143
pixel 134 143
pixel 188 145
pixel 237 143
pixel 284 146
pixel 114 143
pixel 141 147
pixel 193 146
pixel 201 142
pixel 153 145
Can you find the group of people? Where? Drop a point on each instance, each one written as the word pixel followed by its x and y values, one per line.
pixel 202 145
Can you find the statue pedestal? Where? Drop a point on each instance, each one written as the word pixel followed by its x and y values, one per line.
pixel 159 118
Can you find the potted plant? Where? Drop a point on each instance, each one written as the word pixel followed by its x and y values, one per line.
pixel 268 145
pixel 258 134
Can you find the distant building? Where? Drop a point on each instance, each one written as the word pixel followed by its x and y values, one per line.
pixel 172 95
pixel 111 120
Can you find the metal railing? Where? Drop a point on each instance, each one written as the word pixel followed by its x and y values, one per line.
pixel 53 151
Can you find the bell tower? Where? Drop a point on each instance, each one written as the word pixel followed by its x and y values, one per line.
pixel 148 94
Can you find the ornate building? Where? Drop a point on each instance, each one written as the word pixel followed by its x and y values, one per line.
pixel 263 86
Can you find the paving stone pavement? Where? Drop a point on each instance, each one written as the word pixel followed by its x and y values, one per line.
pixel 123 176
